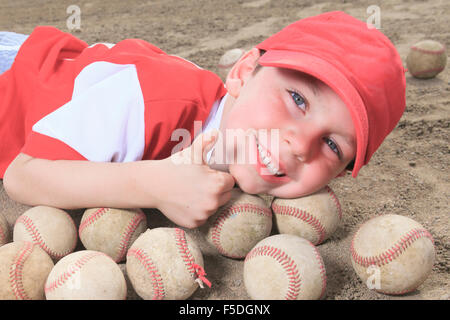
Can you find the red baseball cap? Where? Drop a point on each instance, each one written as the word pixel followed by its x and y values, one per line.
pixel 354 59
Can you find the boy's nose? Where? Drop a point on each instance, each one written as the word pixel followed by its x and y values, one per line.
pixel 300 144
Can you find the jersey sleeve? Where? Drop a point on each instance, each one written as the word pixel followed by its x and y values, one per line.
pixel 103 121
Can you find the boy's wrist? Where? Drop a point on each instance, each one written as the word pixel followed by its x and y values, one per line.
pixel 142 183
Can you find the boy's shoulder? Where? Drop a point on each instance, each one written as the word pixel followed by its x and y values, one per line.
pixel 61 57
pixel 168 76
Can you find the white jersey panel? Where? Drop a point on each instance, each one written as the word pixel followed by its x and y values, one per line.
pixel 104 121
pixel 214 119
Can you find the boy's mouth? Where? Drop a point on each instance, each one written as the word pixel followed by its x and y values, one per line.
pixel 268 162
pixel 267 165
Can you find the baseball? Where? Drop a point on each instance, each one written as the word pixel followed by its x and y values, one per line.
pixel 24 269
pixel 165 263
pixel 228 60
pixel 314 217
pixel 4 230
pixel 392 254
pixel 51 228
pixel 426 59
pixel 86 275
pixel 111 231
pixel 284 267
pixel 239 225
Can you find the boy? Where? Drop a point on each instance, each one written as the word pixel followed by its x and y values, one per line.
pixel 329 87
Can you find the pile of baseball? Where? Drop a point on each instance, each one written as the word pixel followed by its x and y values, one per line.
pixel 39 258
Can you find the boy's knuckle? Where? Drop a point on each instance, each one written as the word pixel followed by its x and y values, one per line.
pixel 217 186
pixel 221 181
pixel 212 206
pixel 202 214
pixel 227 197
pixel 224 182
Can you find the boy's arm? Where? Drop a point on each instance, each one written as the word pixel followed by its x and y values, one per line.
pixel 186 193
pixel 69 184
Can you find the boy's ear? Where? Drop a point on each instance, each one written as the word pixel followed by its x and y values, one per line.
pixel 241 72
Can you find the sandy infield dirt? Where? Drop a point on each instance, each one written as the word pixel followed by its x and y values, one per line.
pixel 408 175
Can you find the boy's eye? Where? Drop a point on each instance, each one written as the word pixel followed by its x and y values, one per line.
pixel 333 146
pixel 298 100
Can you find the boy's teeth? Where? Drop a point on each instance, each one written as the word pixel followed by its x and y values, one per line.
pixel 267 161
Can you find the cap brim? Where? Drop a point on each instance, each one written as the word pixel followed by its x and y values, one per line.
pixel 337 81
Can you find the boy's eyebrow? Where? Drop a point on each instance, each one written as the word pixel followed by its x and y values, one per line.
pixel 350 141
pixel 312 85
pixel 311 82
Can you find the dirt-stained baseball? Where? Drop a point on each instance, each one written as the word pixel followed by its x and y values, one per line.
pixel 111 231
pixel 314 217
pixel 426 59
pixel 392 254
pixel 239 225
pixel 5 233
pixel 165 264
pixel 86 275
pixel 284 267
pixel 52 229
pixel 228 60
pixel 24 268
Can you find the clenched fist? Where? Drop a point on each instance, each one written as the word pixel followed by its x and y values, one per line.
pixel 191 191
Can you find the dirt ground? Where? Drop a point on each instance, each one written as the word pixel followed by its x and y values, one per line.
pixel 408 175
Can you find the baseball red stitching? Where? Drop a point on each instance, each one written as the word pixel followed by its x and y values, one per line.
pixel 392 253
pixel 149 265
pixel 428 51
pixel 225 214
pixel 75 267
pixel 16 271
pixel 286 262
pixel 184 251
pixel 37 238
pixel 90 219
pixel 303 215
pixel 336 200
pixel 128 233
pixel 194 269
pixel 323 273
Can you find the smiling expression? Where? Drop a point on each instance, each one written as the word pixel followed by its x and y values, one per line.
pixel 296 127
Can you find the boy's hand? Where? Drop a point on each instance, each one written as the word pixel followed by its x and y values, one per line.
pixel 190 190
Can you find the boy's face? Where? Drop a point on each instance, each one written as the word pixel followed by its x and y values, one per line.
pixel 299 121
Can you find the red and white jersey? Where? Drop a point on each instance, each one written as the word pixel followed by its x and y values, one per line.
pixel 63 99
